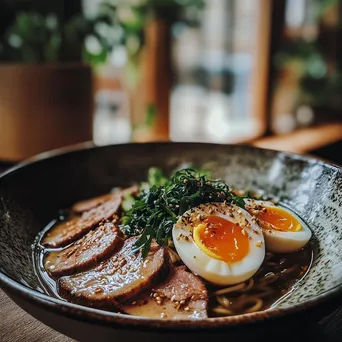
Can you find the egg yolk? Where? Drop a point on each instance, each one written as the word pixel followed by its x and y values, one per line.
pixel 221 239
pixel 279 219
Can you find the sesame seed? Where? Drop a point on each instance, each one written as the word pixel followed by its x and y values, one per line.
pixel 258 243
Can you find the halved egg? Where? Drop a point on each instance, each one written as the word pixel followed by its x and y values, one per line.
pixel 283 230
pixel 220 243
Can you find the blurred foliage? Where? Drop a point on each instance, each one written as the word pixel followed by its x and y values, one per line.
pixel 132 15
pixel 35 37
pixel 129 19
pixel 318 86
pixel 320 79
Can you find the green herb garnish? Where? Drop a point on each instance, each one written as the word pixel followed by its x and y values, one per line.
pixel 163 200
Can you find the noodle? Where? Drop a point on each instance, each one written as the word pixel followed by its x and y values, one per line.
pixel 230 289
pixel 250 285
pixel 269 278
pixel 224 301
pixel 222 311
pixel 288 270
pixel 257 304
pixel 273 280
pixel 265 292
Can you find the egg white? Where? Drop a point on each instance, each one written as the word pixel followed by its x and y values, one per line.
pixel 213 270
pixel 283 242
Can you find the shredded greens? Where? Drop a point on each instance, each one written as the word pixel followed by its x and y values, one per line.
pixel 162 200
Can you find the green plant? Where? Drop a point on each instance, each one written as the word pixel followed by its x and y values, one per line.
pixel 38 38
pixel 130 17
pixel 320 84
pixel 35 38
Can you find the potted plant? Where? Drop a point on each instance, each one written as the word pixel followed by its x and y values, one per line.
pixel 46 89
pixel 148 76
pixel 311 71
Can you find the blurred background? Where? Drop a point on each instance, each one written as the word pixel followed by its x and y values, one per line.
pixel 261 72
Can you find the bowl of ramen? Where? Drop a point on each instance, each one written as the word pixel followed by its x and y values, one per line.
pixel 172 240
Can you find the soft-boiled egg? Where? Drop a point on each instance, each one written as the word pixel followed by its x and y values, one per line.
pixel 219 242
pixel 283 230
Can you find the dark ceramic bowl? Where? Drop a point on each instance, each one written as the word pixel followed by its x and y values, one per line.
pixel 32 193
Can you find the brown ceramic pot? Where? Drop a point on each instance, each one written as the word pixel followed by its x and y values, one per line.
pixel 43 108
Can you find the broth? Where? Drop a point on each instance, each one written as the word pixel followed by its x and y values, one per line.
pixel 275 280
pixel 277 277
pixel 211 235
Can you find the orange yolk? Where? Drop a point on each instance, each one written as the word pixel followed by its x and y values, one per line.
pixel 279 219
pixel 221 239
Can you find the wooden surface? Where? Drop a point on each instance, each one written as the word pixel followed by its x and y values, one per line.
pixel 303 140
pixel 18 326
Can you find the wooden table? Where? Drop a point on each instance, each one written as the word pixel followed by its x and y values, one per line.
pixel 18 326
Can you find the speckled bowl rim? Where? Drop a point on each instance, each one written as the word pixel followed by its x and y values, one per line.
pixel 121 321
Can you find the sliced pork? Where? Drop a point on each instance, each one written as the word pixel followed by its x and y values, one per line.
pixel 71 230
pixel 181 296
pixel 116 279
pixel 94 247
pixel 90 203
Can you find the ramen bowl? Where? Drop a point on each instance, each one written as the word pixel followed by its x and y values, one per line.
pixel 32 193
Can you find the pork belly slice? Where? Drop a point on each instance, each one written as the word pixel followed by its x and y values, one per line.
pixel 117 279
pixel 181 296
pixel 91 203
pixel 71 230
pixel 91 249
